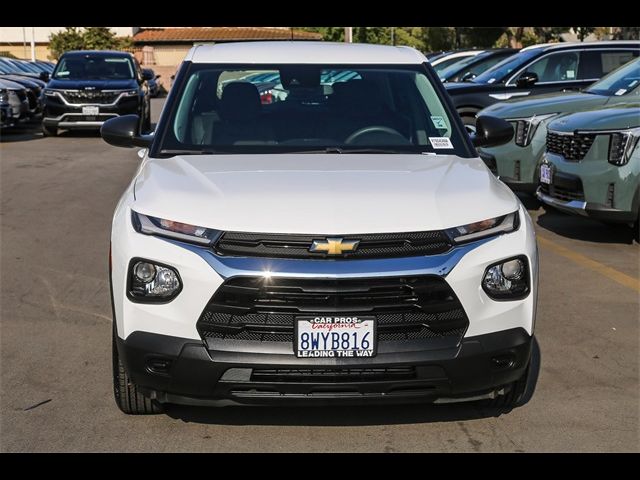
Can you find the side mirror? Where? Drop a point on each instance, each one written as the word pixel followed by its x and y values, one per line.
pixel 123 132
pixel 527 79
pixel 45 76
pixel 491 132
pixel 147 75
pixel 468 77
pixel 158 76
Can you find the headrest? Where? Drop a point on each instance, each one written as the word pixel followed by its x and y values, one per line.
pixel 240 100
pixel 358 96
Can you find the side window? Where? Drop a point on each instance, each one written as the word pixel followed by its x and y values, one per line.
pixel 557 67
pixel 596 64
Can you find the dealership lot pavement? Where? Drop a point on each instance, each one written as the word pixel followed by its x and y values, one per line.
pixel 57 196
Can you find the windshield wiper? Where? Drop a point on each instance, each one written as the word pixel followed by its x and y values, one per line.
pixel 347 150
pixel 191 152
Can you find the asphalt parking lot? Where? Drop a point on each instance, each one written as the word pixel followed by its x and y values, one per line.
pixel 57 198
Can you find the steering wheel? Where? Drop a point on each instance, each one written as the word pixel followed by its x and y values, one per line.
pixel 352 139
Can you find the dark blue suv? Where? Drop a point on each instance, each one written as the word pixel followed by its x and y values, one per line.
pixel 89 87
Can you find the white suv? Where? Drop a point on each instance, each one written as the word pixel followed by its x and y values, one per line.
pixel 340 243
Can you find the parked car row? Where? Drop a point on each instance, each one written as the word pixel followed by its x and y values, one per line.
pixel 81 91
pixel 577 151
pixel 21 84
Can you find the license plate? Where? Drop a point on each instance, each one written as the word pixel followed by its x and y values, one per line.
pixel 343 337
pixel 545 174
pixel 90 110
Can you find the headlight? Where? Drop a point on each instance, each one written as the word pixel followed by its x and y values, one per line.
pixel 485 228
pixel 50 93
pixel 525 128
pixel 150 282
pixel 178 231
pixel 130 93
pixel 621 145
pixel 507 280
pixel 4 96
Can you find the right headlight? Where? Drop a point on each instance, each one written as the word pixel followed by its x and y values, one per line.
pixel 525 128
pixel 621 145
pixel 171 229
pixel 485 228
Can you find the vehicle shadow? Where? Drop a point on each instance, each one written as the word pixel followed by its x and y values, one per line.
pixel 351 416
pixel 586 229
pixel 21 133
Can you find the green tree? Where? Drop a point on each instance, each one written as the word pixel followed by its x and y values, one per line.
pixel 583 32
pixel 68 39
pixel 99 38
pixel 549 34
pixel 480 37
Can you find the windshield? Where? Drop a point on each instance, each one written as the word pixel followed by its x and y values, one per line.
pixel 500 71
pixel 94 67
pixel 230 109
pixel 619 82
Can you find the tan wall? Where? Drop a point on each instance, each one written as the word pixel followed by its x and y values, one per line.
pixel 169 55
pixel 42 51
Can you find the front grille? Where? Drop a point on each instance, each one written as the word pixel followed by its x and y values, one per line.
pixel 90 96
pixel 572 147
pixel 332 375
pixel 562 193
pixel 297 245
pixel 406 308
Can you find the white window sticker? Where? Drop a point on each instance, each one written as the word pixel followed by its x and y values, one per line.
pixel 622 91
pixel 439 122
pixel 440 142
pixel 571 74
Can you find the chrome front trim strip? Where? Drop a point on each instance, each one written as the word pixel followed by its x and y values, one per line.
pixel 228 267
pixel 576 205
pixel 58 94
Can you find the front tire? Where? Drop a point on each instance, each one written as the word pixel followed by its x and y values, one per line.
pixel 469 121
pixel 127 396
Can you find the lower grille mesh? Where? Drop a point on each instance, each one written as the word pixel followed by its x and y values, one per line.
pixel 406 308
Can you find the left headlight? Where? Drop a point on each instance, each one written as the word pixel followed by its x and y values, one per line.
pixel 621 145
pixel 507 280
pixel 525 128
pixel 176 230
pixel 485 228
pixel 130 93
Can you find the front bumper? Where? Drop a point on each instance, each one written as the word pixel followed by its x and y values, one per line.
pixel 184 371
pixel 60 115
pixel 593 187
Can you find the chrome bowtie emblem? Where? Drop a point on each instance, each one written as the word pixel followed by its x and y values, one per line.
pixel 334 246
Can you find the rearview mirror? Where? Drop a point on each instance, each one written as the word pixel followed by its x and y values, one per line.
pixel 527 79
pixel 123 132
pixel 147 75
pixel 44 76
pixel 491 132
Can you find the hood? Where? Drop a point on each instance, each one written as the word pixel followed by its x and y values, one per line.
pixel 557 102
pixel 616 117
pixel 10 85
pixel 323 194
pixel 28 82
pixel 95 84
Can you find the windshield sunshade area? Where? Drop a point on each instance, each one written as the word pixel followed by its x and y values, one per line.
pixel 294 108
pixel 94 67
